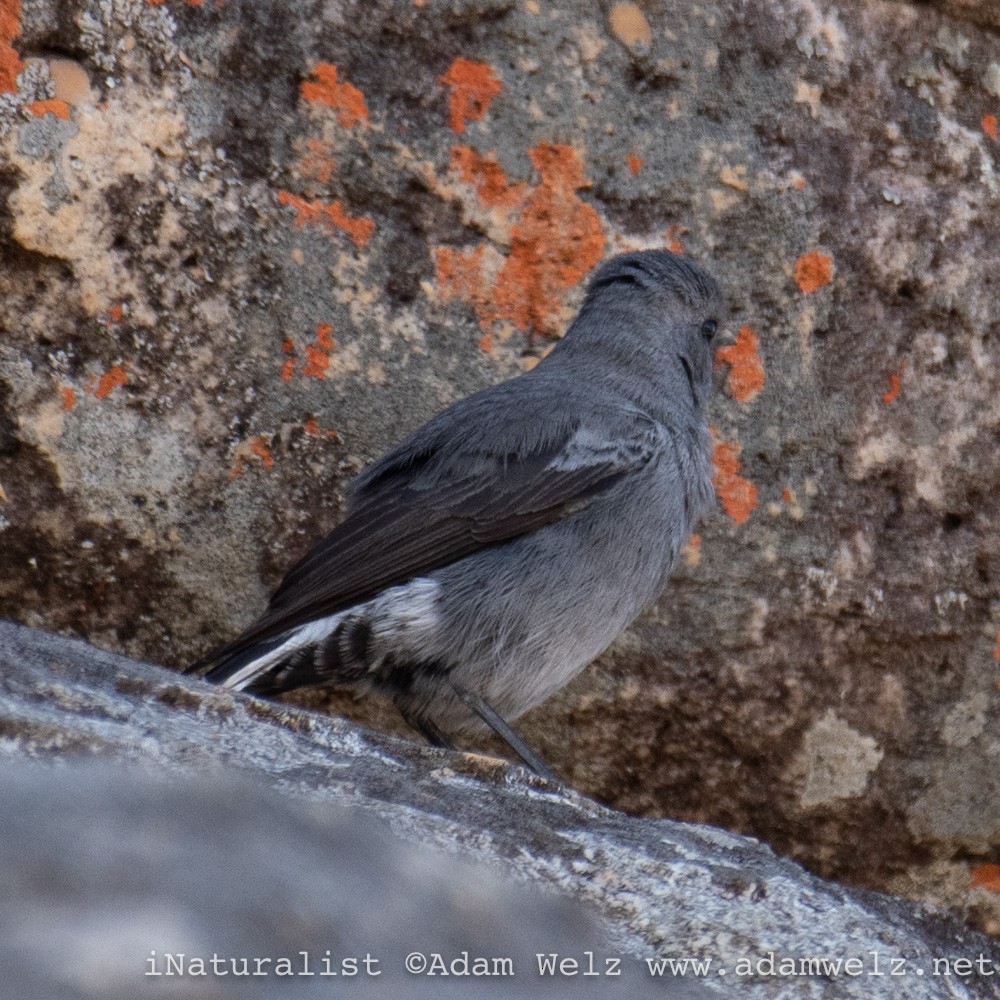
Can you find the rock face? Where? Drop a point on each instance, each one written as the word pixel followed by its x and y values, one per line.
pixel 247 246
pixel 101 865
pixel 194 888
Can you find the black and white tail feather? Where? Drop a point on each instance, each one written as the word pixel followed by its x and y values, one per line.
pixel 468 504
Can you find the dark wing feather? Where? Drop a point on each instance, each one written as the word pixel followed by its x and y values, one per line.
pixel 419 516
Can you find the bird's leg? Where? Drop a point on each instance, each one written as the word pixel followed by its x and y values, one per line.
pixel 428 729
pixel 493 719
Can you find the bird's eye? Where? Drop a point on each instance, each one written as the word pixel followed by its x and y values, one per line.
pixel 708 328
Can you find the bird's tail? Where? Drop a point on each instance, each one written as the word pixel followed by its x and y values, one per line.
pixel 276 663
pixel 239 671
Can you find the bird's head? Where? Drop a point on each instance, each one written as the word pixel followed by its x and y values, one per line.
pixel 656 313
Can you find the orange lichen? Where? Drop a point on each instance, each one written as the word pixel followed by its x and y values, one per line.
pixel 259 448
pixel 109 381
pixel 555 240
pixel 323 338
pixel 674 232
pixel 486 176
pixel 986 876
pixel 813 270
pixel 50 107
pixel 318 353
pixel 288 365
pixel 10 60
pixel 331 214
pixel 634 161
pixel 312 427
pixel 68 394
pixel 894 383
pixel 485 343
pixel 996 649
pixel 746 370
pixel 254 448
pixel 555 243
pixel 473 86
pixel 737 495
pixel 115 313
pixel 316 161
pixel 322 87
pixel 459 274
pixel 788 495
pixel 989 123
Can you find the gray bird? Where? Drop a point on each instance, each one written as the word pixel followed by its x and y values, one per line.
pixel 487 559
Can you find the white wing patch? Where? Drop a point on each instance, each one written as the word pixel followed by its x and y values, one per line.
pixel 590 447
pixel 409 610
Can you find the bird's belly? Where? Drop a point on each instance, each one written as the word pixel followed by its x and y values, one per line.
pixel 527 617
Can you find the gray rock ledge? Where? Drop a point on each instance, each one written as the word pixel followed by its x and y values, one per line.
pixel 182 831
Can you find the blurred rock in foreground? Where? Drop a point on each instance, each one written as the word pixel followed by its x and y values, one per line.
pixel 172 843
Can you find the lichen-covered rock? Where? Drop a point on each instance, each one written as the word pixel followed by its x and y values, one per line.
pixel 99 867
pixel 246 246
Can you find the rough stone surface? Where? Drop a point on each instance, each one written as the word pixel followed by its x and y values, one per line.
pixel 101 866
pixel 144 873
pixel 247 246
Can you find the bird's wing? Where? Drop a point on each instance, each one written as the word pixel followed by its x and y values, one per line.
pixel 435 500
